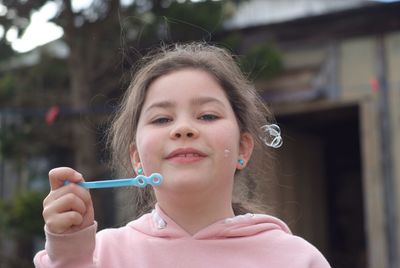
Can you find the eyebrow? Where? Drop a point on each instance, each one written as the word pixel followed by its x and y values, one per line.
pixel 195 102
pixel 204 100
pixel 161 104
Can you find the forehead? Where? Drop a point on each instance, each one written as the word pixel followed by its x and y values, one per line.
pixel 184 84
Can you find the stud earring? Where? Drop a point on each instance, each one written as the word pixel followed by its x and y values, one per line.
pixel 241 162
pixel 140 171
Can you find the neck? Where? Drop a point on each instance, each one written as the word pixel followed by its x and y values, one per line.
pixel 194 214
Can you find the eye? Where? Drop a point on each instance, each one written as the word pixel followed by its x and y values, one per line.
pixel 208 117
pixel 161 120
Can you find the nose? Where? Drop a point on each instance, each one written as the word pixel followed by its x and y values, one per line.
pixel 184 130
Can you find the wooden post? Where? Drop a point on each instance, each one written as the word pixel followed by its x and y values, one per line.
pixel 373 185
pixel 386 154
pixel 392 47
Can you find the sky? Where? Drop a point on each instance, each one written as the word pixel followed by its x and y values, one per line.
pixel 41 31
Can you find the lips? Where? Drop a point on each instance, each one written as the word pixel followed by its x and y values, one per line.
pixel 186 155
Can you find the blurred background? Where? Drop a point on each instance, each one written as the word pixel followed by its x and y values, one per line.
pixel 329 70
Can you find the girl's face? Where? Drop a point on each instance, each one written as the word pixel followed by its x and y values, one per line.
pixel 188 133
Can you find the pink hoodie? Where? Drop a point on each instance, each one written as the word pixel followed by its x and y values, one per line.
pixel 154 240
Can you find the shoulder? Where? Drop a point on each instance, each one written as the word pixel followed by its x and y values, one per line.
pixel 302 250
pixel 298 250
pixel 299 244
pixel 291 246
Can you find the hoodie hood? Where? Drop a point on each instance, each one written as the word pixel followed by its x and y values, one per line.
pixel 158 224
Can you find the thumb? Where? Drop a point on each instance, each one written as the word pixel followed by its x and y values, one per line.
pixel 58 176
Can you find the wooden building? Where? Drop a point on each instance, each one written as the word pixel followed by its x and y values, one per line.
pixel 338 105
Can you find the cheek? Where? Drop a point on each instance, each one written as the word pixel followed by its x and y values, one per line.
pixel 228 142
pixel 149 148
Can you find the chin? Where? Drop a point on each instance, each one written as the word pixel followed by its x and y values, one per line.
pixel 186 183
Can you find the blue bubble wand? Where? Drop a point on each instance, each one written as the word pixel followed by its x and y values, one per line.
pixel 140 181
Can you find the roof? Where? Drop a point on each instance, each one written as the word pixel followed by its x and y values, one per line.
pixel 264 12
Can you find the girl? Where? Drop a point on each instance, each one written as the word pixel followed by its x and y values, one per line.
pixel 190 115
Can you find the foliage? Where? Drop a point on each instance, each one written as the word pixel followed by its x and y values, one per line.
pixel 21 216
pixel 49 74
pixel 262 62
pixel 3 216
pixel 232 41
pixel 6 52
pixel 13 139
pixel 8 86
pixel 192 21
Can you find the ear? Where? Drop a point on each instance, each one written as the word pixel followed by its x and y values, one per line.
pixel 134 155
pixel 246 147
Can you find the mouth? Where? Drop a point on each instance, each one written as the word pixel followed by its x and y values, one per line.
pixel 185 155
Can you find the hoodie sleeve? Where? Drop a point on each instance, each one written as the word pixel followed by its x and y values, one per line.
pixel 319 261
pixel 315 259
pixel 68 250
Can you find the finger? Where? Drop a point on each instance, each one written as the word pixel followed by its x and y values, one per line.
pixel 58 176
pixel 81 192
pixel 59 223
pixel 68 202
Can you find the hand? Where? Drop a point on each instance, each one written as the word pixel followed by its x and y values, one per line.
pixel 67 208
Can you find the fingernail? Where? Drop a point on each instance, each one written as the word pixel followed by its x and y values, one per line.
pixel 78 175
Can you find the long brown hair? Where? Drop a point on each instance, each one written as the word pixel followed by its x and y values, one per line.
pixel 249 109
